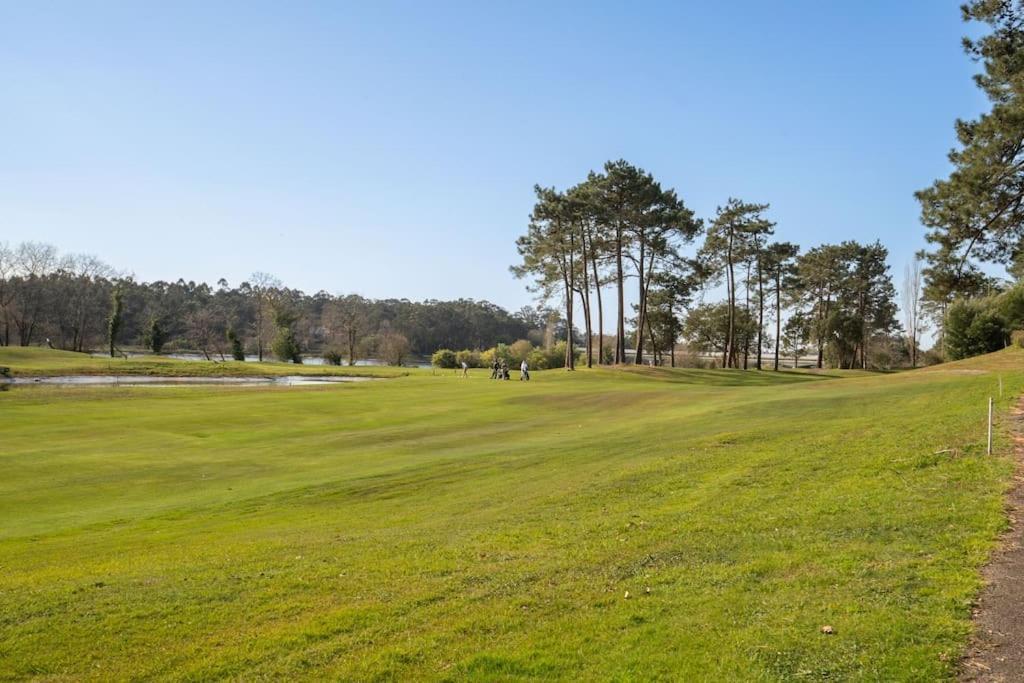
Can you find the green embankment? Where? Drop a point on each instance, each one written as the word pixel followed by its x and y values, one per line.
pixel 433 527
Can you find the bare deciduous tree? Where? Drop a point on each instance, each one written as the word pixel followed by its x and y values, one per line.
pixel 912 319
pixel 264 287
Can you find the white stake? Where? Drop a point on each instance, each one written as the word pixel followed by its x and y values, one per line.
pixel 990 425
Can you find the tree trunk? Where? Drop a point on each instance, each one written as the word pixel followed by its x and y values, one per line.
pixel 942 329
pixel 259 330
pixel 586 299
pixel 913 343
pixel 863 333
pixel 778 316
pixel 570 284
pixel 654 343
pixel 600 313
pixel 620 329
pixel 730 341
pixel 820 332
pixel 570 355
pixel 823 316
pixel 590 331
pixel 760 311
pixel 641 305
pixel 746 339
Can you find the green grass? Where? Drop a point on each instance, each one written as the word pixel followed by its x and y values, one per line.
pixel 431 527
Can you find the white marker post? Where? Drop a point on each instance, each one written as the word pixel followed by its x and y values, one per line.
pixel 990 425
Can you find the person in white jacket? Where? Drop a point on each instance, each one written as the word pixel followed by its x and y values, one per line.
pixel 524 371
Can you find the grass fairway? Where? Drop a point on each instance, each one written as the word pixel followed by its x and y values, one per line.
pixel 431 527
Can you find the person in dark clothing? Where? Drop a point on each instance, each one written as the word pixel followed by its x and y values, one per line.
pixel 504 369
pixel 495 367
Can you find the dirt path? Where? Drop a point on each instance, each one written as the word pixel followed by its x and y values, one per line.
pixel 997 653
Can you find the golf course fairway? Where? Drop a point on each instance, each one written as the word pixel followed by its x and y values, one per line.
pixel 607 524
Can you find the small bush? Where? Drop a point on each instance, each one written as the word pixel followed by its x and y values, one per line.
pixel 286 346
pixel 470 358
pixel 499 352
pixel 1017 337
pixel 444 358
pixel 332 357
pixel 520 351
pixel 393 348
pixel 237 350
pixel 555 357
pixel 155 337
pixel 973 328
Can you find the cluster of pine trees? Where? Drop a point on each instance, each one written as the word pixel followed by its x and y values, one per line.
pixel 975 216
pixel 836 299
pixel 621 228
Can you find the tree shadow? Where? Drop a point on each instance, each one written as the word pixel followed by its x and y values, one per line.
pixel 729 378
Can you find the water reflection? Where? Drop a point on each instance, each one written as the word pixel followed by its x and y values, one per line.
pixel 150 381
pixel 252 358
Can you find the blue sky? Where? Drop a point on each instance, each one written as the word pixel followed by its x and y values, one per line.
pixel 390 149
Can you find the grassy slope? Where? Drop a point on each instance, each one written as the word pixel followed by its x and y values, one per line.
pixel 433 527
pixel 35 361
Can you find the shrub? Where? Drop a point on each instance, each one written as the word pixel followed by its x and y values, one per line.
pixel 973 328
pixel 537 360
pixel 286 346
pixel 444 358
pixel 555 356
pixel 1010 307
pixel 470 358
pixel 155 337
pixel 237 350
pixel 500 352
pixel 393 348
pixel 332 357
pixel 1017 337
pixel 520 351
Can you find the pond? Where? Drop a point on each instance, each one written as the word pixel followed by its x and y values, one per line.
pixel 252 358
pixel 151 381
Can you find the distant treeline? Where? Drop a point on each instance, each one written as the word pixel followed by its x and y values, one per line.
pixel 68 301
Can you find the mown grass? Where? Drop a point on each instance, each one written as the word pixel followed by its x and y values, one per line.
pixel 431 527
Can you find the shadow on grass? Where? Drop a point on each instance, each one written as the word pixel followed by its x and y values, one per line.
pixel 725 378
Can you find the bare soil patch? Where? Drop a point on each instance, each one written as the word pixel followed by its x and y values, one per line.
pixel 997 653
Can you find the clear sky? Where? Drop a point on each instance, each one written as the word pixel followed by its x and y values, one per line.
pixel 391 149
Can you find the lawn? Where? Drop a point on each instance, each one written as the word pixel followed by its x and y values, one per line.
pixel 603 525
